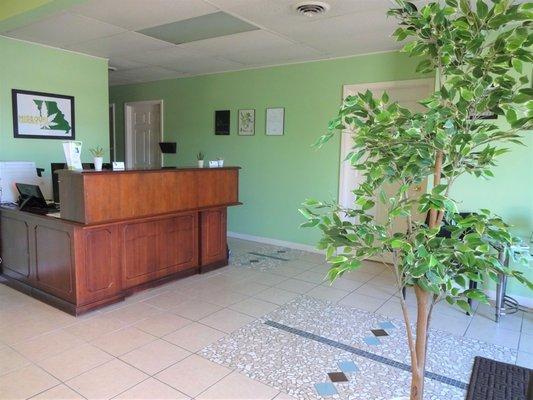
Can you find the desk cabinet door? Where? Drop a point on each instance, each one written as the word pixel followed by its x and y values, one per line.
pixel 140 249
pixel 213 237
pixel 178 242
pixel 157 248
pixel 15 247
pixel 99 274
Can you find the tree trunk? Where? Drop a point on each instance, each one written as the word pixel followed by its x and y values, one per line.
pixel 422 319
pixel 417 385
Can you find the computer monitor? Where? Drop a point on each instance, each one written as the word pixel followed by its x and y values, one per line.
pixel 168 147
pixel 32 193
pixel 55 178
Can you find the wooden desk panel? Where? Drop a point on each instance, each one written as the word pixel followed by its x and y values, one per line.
pixel 117 195
pixel 39 251
pixel 139 229
pixel 98 268
pixel 15 233
pixel 157 247
pixel 54 260
pixel 213 236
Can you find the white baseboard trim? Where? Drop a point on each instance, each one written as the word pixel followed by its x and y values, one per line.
pixel 522 300
pixel 275 242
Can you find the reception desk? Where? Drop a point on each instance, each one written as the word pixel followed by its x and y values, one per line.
pixel 119 232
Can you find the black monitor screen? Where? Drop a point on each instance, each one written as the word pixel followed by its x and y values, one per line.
pixel 55 178
pixel 27 190
pixel 32 192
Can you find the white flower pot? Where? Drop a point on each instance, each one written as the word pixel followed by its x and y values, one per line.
pixel 98 163
pixel 200 163
pixel 220 163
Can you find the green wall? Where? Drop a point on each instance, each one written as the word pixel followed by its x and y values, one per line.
pixel 509 194
pixel 44 69
pixel 15 13
pixel 11 8
pixel 278 173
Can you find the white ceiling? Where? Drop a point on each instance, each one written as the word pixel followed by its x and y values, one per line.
pixel 106 28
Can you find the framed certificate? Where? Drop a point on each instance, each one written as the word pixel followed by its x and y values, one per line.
pixel 275 121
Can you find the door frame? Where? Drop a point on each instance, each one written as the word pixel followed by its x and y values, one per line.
pixel 113 134
pixel 344 147
pixel 128 153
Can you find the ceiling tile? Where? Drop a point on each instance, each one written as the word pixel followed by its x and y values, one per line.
pixel 63 29
pixel 287 54
pixel 275 14
pixel 127 42
pixel 122 63
pixel 98 27
pixel 347 34
pixel 167 55
pixel 337 7
pixel 195 65
pixel 350 48
pixel 114 81
pixel 246 41
pixel 198 28
pixel 140 14
pixel 145 74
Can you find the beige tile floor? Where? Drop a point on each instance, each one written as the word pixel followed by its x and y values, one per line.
pixel 145 347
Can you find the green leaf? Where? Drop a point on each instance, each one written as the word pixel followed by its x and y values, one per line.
pixel 482 9
pixel 466 94
pixel 511 116
pixel 477 295
pixel 464 306
pixel 439 189
pixel 517 64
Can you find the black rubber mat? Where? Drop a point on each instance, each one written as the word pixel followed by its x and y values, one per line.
pixel 494 380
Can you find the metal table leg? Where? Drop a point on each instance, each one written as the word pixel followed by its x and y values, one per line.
pixel 500 295
pixel 500 288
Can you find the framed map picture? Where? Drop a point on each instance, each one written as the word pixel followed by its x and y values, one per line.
pixel 42 115
pixel 246 122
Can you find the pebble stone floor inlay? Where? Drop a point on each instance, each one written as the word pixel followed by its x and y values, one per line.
pixel 265 327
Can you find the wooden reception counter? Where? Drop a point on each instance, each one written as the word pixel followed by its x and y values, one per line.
pixel 118 232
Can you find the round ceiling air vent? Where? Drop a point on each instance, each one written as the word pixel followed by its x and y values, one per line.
pixel 311 8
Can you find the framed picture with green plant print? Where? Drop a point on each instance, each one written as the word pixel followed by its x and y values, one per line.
pixel 246 122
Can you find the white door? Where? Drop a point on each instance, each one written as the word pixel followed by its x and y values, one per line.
pixel 143 134
pixel 407 94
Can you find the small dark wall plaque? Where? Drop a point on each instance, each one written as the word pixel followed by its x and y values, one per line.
pixel 222 122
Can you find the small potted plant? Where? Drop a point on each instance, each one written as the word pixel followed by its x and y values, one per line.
pixel 98 157
pixel 200 157
pixel 220 162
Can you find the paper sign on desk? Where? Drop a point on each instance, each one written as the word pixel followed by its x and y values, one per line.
pixel 118 166
pixel 72 150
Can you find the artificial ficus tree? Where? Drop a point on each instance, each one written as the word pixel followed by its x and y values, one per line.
pixel 480 53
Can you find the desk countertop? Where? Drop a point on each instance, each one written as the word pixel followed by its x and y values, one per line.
pixel 148 170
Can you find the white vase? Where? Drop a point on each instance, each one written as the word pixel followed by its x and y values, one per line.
pixel 200 163
pixel 220 163
pixel 98 163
